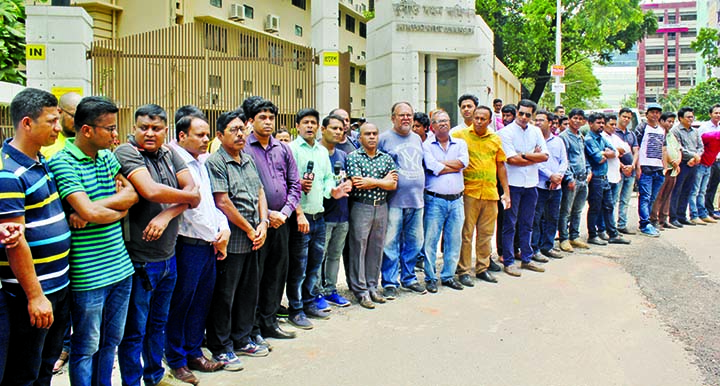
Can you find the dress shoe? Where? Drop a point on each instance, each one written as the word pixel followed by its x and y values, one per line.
pixel 618 240
pixel 185 375
pixel 539 258
pixel 685 222
pixel 566 246
pixel 279 333
pixel 431 287
pixel 577 243
pixel 668 225
pixel 603 236
pixel 365 302
pixel 676 224
pixel 494 267
pixel 204 365
pixel 552 254
pixel 377 298
pixel 486 276
pixel 512 270
pixel 530 266
pixel 709 220
pixel 697 221
pixel 596 241
pixel 415 287
pixel 454 284
pixel 626 231
pixel 466 280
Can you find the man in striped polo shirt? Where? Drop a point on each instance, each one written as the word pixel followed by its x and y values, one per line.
pixel 96 198
pixel 34 274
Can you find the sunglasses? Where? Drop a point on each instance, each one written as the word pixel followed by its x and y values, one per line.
pixel 523 114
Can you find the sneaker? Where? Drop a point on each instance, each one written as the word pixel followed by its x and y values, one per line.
pixel 300 321
pixel 530 266
pixel 336 300
pixel 512 270
pixel 282 312
pixel 253 350
pixel 539 258
pixel 260 341
pixel 650 231
pixel 603 236
pixel 312 311
pixel 229 360
pixel 618 240
pixel 415 287
pixel 577 243
pixel 321 304
pixel 566 246
pixel 390 293
pixel 626 231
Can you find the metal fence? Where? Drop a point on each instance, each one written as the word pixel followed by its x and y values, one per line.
pixel 6 127
pixel 210 66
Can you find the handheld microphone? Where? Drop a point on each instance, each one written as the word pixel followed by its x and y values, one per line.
pixel 309 175
pixel 339 173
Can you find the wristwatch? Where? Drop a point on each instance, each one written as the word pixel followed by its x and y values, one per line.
pixel 267 220
pixel 522 155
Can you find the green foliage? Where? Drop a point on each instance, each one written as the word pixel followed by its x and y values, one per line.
pixel 582 88
pixel 702 97
pixel 671 101
pixel 706 44
pixel 369 15
pixel 629 101
pixel 12 40
pixel 525 33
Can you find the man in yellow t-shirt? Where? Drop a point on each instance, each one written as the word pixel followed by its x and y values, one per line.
pixel 487 165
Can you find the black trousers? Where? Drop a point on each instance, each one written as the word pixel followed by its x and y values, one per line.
pixel 273 268
pixel 712 187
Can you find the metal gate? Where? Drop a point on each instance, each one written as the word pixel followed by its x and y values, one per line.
pixel 206 65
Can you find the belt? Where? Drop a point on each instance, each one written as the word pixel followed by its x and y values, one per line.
pixel 449 197
pixel 193 241
pixel 377 202
pixel 581 177
pixel 600 177
pixel 314 217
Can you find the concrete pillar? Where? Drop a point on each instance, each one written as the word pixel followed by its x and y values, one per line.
pixel 64 35
pixel 325 39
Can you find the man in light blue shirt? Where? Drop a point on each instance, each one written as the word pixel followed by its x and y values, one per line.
pixel 445 158
pixel 525 148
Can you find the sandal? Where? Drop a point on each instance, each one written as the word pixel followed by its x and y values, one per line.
pixel 62 360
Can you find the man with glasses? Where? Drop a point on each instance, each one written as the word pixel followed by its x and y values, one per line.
pixel 87 175
pixel 166 189
pixel 525 148
pixel 67 106
pixel 445 158
pixel 692 149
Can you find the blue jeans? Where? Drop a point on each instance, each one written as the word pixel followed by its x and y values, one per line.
pixel 146 320
pixel 335 235
pixel 623 199
pixel 306 257
pixel 681 192
pixel 614 191
pixel 545 223
pixel 697 194
pixel 98 325
pixel 4 332
pixel 443 217
pixel 403 242
pixel 600 207
pixel 571 207
pixel 649 185
pixel 190 302
pixel 522 213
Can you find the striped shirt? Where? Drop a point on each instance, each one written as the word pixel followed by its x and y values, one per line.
pixel 98 256
pixel 28 189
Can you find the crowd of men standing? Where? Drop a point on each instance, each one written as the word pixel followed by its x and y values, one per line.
pixel 154 246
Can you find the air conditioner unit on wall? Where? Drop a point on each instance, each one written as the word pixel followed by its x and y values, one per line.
pixel 272 23
pixel 237 12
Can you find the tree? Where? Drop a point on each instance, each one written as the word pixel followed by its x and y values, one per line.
pixel 671 101
pixel 706 44
pixel 12 40
pixel 582 88
pixel 702 97
pixel 629 101
pixel 525 33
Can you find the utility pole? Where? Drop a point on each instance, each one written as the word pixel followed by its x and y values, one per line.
pixel 558 59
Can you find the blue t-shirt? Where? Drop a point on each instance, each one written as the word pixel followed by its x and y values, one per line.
pixel 337 210
pixel 407 152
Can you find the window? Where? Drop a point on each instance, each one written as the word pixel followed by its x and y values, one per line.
pixel 685 82
pixel 350 50
pixel 660 18
pixel 671 67
pixel 275 89
pixel 214 81
pixel 653 83
pixel 687 66
pixel 363 30
pixel 362 102
pixel 298 93
pixel 298 30
pixel 671 19
pixel 302 4
pixel 688 17
pixel 686 50
pixel 215 38
pixel 275 53
pixel 361 74
pixel 650 99
pixel 654 51
pixel 671 51
pixel 216 3
pixel 298 60
pixel 249 47
pixel 249 12
pixel 671 35
pixel 352 74
pixel 654 67
pixel 671 82
pixel 247 86
pixel 350 23
pixel 362 55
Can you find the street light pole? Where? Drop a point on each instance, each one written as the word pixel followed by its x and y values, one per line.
pixel 558 35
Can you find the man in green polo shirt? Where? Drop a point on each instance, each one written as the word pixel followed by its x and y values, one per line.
pixel 95 198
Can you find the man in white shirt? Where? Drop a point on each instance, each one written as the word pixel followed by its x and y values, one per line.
pixel 467 104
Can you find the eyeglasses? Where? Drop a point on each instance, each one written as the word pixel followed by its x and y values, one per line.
pixel 236 129
pixel 109 129
pixel 68 113
pixel 524 114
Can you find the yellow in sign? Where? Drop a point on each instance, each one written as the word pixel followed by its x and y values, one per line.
pixel 35 52
pixel 331 59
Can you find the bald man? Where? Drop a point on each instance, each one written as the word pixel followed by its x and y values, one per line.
pixel 66 105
